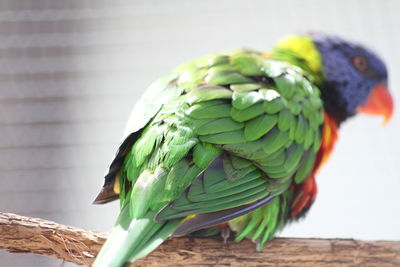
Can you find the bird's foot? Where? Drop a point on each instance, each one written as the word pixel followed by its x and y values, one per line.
pixel 225 233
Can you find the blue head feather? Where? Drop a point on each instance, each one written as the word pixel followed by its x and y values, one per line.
pixel 351 72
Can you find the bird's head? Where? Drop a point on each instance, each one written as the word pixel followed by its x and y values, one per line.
pixel 352 79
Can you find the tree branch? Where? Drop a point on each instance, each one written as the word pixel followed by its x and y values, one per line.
pixel 20 234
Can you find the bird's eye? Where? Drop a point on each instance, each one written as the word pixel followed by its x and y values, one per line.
pixel 360 63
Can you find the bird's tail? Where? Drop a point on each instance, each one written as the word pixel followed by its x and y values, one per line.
pixel 131 239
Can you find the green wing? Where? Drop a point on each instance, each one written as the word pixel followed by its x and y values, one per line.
pixel 233 132
pixel 261 116
pixel 145 109
pixel 216 190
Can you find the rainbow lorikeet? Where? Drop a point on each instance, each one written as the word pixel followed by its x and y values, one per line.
pixel 235 139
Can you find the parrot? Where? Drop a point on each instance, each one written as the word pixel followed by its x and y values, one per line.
pixel 234 140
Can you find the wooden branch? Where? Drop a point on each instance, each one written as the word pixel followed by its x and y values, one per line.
pixel 20 234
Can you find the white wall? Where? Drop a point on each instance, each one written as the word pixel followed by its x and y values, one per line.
pixel 70 71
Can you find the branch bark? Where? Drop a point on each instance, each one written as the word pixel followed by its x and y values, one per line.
pixel 20 234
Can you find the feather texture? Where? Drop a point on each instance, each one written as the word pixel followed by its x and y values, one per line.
pixel 232 138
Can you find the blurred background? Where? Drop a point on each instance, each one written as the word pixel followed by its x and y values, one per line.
pixel 70 72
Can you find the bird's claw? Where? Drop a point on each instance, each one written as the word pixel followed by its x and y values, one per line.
pixel 225 234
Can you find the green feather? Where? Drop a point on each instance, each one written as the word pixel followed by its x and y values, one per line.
pixel 244 100
pixel 177 151
pixel 294 107
pixel 251 225
pixel 286 85
pixel 262 225
pixel 274 140
pixel 301 130
pixel 239 163
pixel 213 185
pixel 221 68
pixel 144 193
pixel 247 64
pixel 226 193
pixel 268 234
pixel 277 159
pixel 245 87
pixel 234 174
pixel 226 77
pixel 151 102
pixel 273 68
pixel 155 240
pixel 273 106
pixel 218 60
pixel 218 204
pixel 243 149
pixel 127 235
pixel 285 120
pixel 293 156
pixel 317 142
pixel 221 199
pixel 218 126
pixel 308 138
pixel 315 102
pixel 251 112
pixel 209 110
pixel 259 126
pixel 204 153
pixel 293 128
pixel 281 185
pixel 206 93
pixel 305 169
pixel 179 177
pixel 233 137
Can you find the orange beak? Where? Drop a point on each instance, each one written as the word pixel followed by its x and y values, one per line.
pixel 380 102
